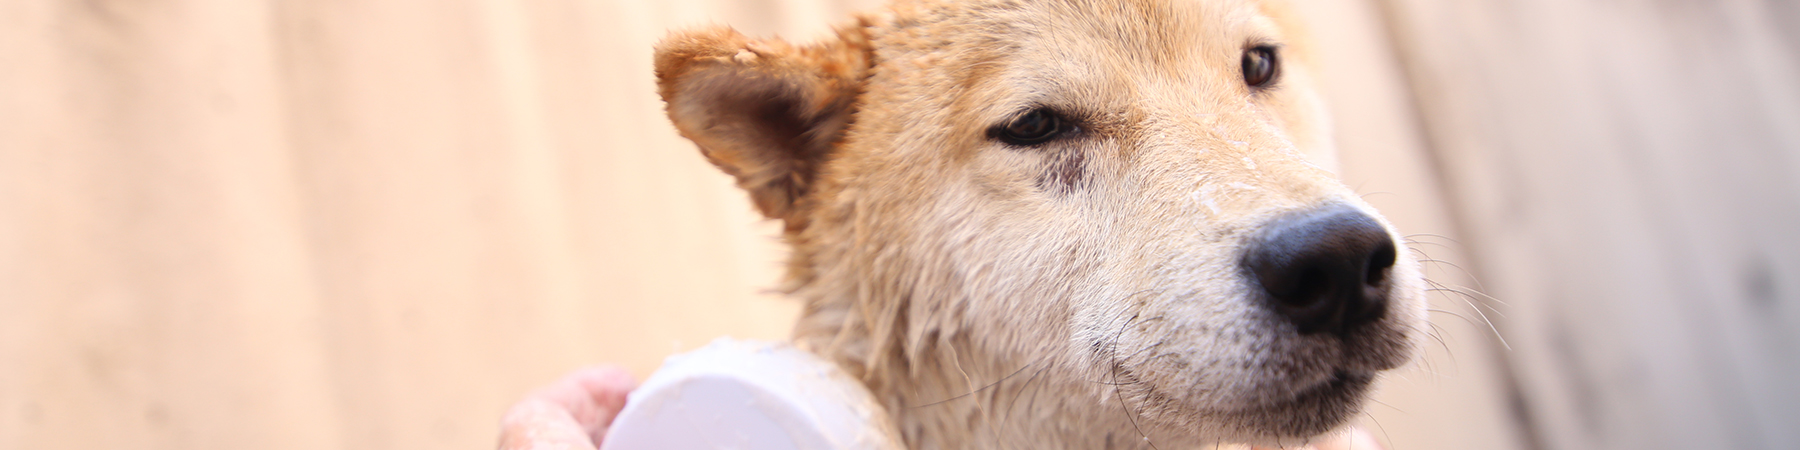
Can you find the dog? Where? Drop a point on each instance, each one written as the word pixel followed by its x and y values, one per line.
pixel 1062 223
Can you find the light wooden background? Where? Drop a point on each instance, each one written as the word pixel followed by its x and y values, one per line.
pixel 371 224
pixel 1629 174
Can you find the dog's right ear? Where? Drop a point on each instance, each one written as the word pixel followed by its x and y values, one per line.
pixel 764 111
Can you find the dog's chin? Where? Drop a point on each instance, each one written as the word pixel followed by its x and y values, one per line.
pixel 1301 414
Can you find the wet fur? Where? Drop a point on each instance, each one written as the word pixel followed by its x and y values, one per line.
pixel 1084 293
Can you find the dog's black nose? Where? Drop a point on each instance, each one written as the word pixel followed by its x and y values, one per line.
pixel 1324 270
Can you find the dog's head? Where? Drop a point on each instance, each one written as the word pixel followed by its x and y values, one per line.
pixel 1124 196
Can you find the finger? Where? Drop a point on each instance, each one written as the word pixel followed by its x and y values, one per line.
pixel 586 401
pixel 538 424
pixel 603 392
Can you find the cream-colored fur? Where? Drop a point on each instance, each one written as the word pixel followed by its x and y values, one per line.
pixel 1085 293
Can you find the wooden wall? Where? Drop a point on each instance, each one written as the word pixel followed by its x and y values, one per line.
pixel 1628 173
pixel 350 224
pixel 372 224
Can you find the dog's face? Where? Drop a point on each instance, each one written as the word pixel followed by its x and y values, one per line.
pixel 1123 195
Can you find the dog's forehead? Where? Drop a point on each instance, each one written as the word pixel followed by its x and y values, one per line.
pixel 1002 56
pixel 971 64
pixel 1154 31
pixel 1148 30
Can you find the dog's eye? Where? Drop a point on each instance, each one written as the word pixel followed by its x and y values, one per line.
pixel 1035 127
pixel 1261 66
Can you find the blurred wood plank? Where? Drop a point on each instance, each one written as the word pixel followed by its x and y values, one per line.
pixel 152 245
pixel 1628 174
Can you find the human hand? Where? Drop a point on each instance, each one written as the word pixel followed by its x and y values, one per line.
pixel 570 414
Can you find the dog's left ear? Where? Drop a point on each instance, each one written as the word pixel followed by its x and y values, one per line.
pixel 764 111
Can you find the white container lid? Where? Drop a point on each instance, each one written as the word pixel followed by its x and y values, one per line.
pixel 750 395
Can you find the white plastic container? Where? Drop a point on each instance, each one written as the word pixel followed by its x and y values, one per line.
pixel 749 395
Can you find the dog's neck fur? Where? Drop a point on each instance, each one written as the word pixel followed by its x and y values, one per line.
pixel 944 394
pixel 940 389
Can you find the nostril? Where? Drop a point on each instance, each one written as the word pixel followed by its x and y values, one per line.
pixel 1295 288
pixel 1313 283
pixel 1379 263
pixel 1324 269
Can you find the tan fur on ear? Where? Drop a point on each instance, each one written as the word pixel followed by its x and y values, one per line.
pixel 764 111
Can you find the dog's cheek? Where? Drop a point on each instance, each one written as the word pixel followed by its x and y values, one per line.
pixel 1017 267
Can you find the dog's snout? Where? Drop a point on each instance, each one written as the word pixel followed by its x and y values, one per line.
pixel 1324 270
